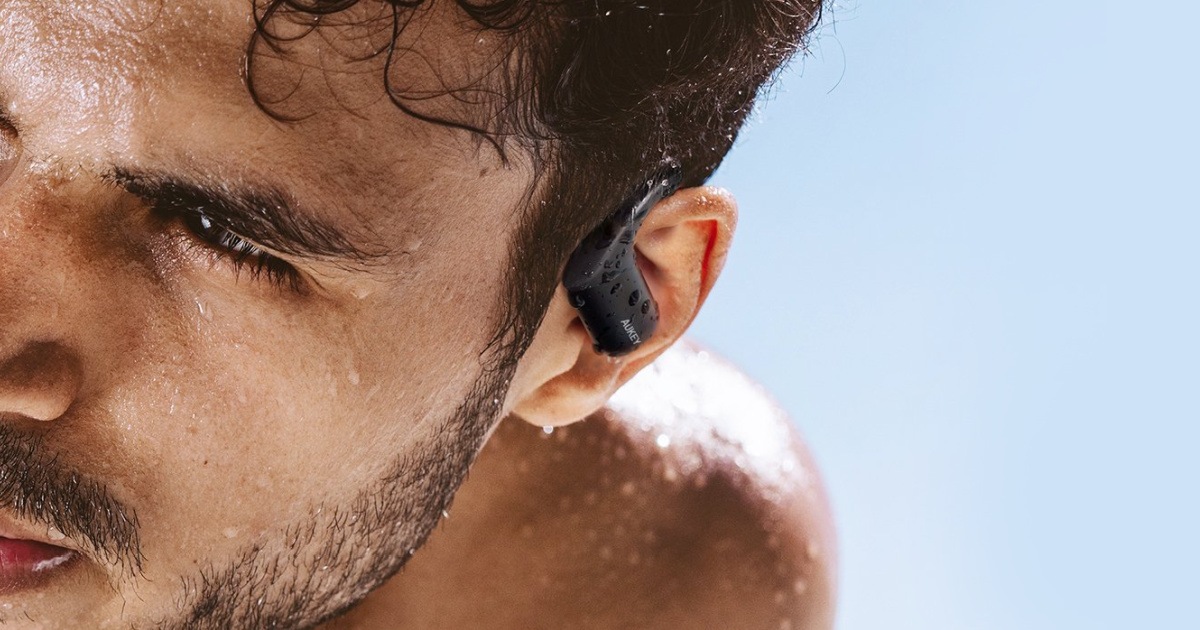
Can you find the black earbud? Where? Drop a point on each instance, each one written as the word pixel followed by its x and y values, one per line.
pixel 602 278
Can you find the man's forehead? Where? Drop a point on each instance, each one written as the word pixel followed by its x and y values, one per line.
pixel 164 83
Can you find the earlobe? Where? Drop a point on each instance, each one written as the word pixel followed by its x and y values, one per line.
pixel 680 250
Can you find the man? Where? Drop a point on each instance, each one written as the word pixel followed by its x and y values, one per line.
pixel 271 276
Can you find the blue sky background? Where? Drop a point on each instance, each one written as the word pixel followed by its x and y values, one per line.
pixel 967 264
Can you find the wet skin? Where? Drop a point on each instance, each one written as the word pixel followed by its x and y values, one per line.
pixel 223 423
pixel 599 525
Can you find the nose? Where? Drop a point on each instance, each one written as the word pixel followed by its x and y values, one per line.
pixel 39 382
pixel 51 314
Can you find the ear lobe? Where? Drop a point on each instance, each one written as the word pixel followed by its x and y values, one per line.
pixel 681 248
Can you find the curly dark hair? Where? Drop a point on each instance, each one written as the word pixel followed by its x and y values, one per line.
pixel 596 92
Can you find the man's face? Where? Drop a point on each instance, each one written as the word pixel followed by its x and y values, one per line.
pixel 211 433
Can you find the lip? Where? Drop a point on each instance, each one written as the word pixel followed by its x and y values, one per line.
pixel 29 560
pixel 26 563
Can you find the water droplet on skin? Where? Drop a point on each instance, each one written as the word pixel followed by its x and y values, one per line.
pixel 663 440
pixel 204 309
pixel 780 597
pixel 606 553
pixel 812 550
pixel 231 532
pixel 785 624
pixel 412 243
pixel 800 587
pixel 548 430
pixel 445 513
pixel 628 488
pixel 361 290
pixel 54 534
pixel 353 377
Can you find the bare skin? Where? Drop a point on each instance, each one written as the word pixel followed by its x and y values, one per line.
pixel 598 525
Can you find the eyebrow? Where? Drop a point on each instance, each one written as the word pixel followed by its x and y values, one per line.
pixel 263 215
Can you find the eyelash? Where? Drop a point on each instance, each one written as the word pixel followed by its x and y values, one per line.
pixel 226 246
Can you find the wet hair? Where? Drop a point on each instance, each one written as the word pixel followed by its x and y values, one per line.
pixel 595 93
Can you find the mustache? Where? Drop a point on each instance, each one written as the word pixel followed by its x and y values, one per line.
pixel 37 486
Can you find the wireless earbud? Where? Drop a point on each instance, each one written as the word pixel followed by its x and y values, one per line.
pixel 602 278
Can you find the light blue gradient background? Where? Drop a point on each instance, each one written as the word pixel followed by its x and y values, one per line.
pixel 967 265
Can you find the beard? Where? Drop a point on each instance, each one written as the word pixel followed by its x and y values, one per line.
pixel 315 570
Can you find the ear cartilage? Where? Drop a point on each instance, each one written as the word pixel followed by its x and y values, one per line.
pixel 602 278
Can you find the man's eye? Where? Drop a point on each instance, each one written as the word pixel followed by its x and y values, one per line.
pixel 242 254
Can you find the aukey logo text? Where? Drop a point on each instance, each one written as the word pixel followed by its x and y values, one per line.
pixel 633 335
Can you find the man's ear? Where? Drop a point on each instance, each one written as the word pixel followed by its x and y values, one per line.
pixel 681 248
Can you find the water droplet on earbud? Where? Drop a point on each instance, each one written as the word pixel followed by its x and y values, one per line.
pixel 634 297
pixel 616 287
pixel 645 307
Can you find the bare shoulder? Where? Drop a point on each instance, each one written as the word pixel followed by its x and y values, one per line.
pixel 689 502
pixel 734 477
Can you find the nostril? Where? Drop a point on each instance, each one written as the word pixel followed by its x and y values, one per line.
pixel 10 150
pixel 39 382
